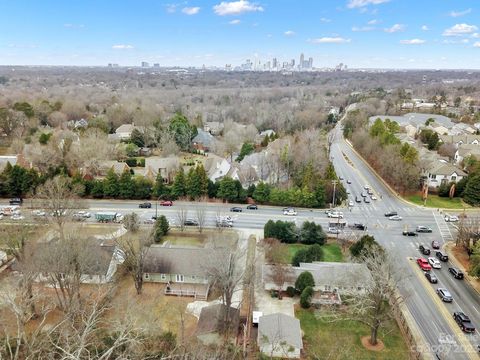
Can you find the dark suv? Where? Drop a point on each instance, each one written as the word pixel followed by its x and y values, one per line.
pixel 442 256
pixel 457 274
pixel 145 205
pixel 391 213
pixel 424 250
pixel 16 201
pixel 464 322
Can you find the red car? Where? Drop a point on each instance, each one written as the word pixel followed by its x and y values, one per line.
pixel 166 203
pixel 424 265
pixel 435 244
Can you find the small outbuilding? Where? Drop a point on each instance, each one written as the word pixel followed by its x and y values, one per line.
pixel 212 324
pixel 280 335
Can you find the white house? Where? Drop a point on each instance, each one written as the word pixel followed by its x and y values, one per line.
pixel 458 140
pixel 441 172
pixel 216 167
pixel 124 132
pixel 280 336
pixel 466 150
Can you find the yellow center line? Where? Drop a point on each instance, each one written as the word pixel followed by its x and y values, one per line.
pixel 448 316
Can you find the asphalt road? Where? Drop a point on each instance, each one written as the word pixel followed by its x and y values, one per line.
pixel 434 318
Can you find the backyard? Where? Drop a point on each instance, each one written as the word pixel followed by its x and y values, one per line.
pixel 331 252
pixel 435 201
pixel 342 339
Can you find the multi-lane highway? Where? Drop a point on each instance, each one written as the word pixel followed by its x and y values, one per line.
pixel 432 317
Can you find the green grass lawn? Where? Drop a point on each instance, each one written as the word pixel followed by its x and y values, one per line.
pixel 342 338
pixel 332 252
pixel 434 201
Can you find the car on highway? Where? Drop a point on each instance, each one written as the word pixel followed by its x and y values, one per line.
pixel 334 230
pixel 252 207
pixel 340 177
pixel 166 203
pixel 434 263
pixel 441 256
pixel 364 195
pixel 348 192
pixel 350 203
pixel 435 245
pixel 391 213
pixel 349 181
pixel 149 221
pixel 457 273
pixel 16 201
pixel 444 295
pixel 424 265
pixel 373 197
pixel 358 226
pixel 431 277
pixel 424 249
pixel 290 212
pixel 335 214
pixel 224 223
pixel 366 199
pixel 190 222
pixel 409 233
pixel 366 187
pixel 464 322
pixel 39 213
pixel 1 216
pixel 357 199
pixel 370 192
pixel 82 214
pixel 145 205
pixel 395 218
pixel 17 217
pixel 236 209
pixel 423 229
pixel 451 218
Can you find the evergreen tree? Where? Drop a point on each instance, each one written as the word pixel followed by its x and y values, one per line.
pixel 471 194
pixel 178 188
pixel 192 186
pixel 126 186
pixel 202 179
pixel 304 279
pixel 312 233
pixel 227 189
pixel 97 190
pixel 110 184
pixel 143 188
pixel 262 193
pixel 159 189
pixel 161 228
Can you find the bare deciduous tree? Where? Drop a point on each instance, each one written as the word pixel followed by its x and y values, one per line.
pixel 182 213
pixel 131 222
pixel 201 213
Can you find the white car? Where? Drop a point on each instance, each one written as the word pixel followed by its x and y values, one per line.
pixel 334 230
pixel 38 213
pixel 1 216
pixel 335 214
pixel 82 213
pixel 434 263
pixel 350 203
pixel 348 192
pixel 291 212
pixel 366 187
pixel 451 218
pixel 373 197
pixel 149 221
pixel 395 218
pixel 17 217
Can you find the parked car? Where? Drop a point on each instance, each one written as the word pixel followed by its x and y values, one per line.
pixel 166 203
pixel 145 205
pixel 444 295
pixel 16 201
pixel 451 218
pixel 252 207
pixel 442 256
pixel 424 250
pixel 395 218
pixel 391 213
pixel 464 322
pixel 236 209
pixel 334 230
pixel 424 265
pixel 335 214
pixel 190 222
pixel 457 273
pixel 290 212
pixel 409 233
pixel 434 263
pixel 423 229
pixel 431 277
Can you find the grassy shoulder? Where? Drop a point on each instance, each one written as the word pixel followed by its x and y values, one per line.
pixel 343 338
pixel 435 201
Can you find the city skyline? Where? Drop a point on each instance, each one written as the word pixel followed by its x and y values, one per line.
pixel 361 33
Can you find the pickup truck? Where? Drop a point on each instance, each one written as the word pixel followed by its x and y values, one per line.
pixel 464 322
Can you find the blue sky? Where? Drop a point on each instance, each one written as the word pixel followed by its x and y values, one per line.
pixel 360 33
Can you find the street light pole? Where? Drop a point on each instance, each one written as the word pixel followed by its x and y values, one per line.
pixel 334 182
pixel 156 208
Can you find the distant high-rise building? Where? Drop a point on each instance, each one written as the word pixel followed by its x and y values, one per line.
pixel 292 63
pixel 110 65
pixel 302 61
pixel 156 65
pixel 145 64
pixel 310 62
pixel 274 63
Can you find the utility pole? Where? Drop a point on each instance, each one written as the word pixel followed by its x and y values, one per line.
pixel 334 182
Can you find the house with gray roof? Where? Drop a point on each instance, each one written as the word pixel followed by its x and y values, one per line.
pixel 203 141
pixel 458 140
pixel 441 124
pixel 5 159
pixel 466 150
pixel 105 166
pixel 167 167
pixel 124 132
pixel 216 167
pixel 280 336
pixel 212 325
pixel 441 172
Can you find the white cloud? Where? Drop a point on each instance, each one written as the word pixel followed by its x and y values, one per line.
pixel 236 7
pixel 461 41
pixel 476 35
pixel 477 44
pixel 289 33
pixel 74 26
pixel 460 13
pixel 171 8
pixel 325 20
pixel 362 28
pixel 122 46
pixel 373 22
pixel 412 42
pixel 191 10
pixel 362 3
pixel 234 22
pixel 395 28
pixel 425 28
pixel 460 29
pixel 329 40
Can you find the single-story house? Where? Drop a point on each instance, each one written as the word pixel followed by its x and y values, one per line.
pixel 203 141
pixel 280 336
pixel 105 166
pixel 344 278
pixel 184 270
pixel 441 172
pixel 458 140
pixel 124 132
pixel 211 324
pixel 466 150
pixel 165 166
